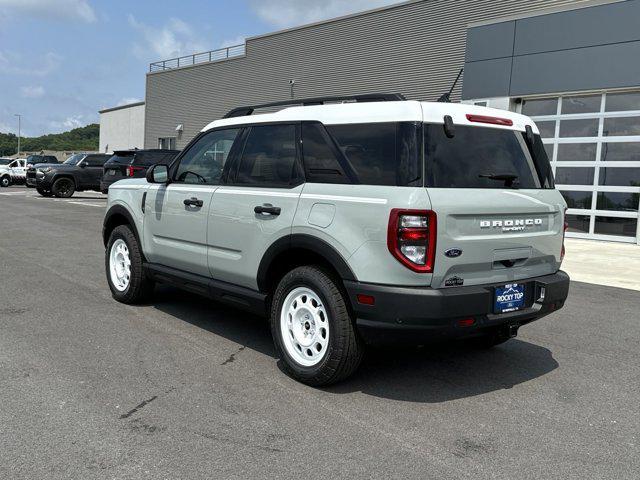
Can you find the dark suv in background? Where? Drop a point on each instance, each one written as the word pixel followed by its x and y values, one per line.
pixel 133 164
pixel 79 172
pixel 33 161
pixel 37 159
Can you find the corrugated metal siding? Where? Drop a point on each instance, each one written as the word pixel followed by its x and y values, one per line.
pixel 415 49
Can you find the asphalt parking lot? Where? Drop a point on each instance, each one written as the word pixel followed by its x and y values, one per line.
pixel 185 388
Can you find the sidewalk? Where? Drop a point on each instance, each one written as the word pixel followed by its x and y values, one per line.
pixel 603 263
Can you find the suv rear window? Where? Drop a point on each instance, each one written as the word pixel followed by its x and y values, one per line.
pixel 122 158
pixel 142 158
pixel 480 157
pixel 151 158
pixel 381 153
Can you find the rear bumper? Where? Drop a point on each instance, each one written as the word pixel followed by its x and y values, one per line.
pixel 422 315
pixel 105 184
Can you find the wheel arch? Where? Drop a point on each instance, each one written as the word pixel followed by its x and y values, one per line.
pixel 296 250
pixel 118 215
pixel 58 176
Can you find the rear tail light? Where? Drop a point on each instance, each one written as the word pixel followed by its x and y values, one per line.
pixel 491 120
pixel 467 322
pixel 564 233
pixel 411 238
pixel 131 171
pixel 366 299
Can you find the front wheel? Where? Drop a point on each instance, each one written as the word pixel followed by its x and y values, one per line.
pixel 123 264
pixel 5 181
pixel 63 188
pixel 312 329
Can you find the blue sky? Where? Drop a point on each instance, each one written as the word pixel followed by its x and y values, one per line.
pixel 63 60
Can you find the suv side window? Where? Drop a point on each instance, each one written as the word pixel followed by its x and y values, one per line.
pixel 269 157
pixel 95 160
pixel 204 161
pixel 320 162
pixel 382 153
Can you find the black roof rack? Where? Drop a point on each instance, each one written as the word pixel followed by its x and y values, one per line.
pixel 370 97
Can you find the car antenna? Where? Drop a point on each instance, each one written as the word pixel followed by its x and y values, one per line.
pixel 446 97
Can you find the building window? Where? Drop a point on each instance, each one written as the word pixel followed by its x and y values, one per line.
pixel 593 142
pixel 167 143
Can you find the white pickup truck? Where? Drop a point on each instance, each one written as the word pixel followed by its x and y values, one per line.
pixel 14 172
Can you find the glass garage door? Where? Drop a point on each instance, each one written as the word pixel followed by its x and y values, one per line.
pixel 593 142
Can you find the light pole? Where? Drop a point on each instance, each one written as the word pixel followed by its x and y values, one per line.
pixel 19 125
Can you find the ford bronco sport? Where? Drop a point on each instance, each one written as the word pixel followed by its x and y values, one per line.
pixel 373 221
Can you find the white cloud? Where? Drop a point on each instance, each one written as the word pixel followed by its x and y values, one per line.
pixel 29 91
pixel 4 128
pixel 289 13
pixel 232 42
pixel 49 9
pixel 68 123
pixel 174 39
pixel 127 101
pixel 13 63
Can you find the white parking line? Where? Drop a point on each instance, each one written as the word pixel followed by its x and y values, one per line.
pixel 87 204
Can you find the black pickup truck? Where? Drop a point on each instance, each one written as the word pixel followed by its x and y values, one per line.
pixel 82 171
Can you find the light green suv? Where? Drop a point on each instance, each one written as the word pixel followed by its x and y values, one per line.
pixel 351 221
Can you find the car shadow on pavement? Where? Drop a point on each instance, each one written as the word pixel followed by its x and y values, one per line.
pixel 450 371
pixel 429 374
pixel 236 325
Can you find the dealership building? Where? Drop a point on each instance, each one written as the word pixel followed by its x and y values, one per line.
pixel 571 65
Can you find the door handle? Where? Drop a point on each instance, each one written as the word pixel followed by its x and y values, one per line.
pixel 268 209
pixel 193 202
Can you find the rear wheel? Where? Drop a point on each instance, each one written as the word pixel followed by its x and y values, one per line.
pixel 63 188
pixel 44 193
pixel 312 328
pixel 5 181
pixel 123 264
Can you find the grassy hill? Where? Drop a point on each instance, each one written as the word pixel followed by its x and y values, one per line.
pixel 83 138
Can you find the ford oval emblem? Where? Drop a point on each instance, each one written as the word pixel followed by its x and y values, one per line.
pixel 453 252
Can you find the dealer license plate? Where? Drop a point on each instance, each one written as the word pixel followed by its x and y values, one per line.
pixel 509 298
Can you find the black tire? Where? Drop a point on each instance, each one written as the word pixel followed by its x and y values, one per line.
pixel 5 181
pixel 140 287
pixel 44 193
pixel 344 349
pixel 63 187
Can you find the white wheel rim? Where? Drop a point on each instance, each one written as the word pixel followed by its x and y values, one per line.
pixel 304 326
pixel 120 265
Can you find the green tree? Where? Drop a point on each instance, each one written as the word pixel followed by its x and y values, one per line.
pixel 83 138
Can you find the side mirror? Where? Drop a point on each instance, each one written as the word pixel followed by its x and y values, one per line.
pixel 158 174
pixel 83 165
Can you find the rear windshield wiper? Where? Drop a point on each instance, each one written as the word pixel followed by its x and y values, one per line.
pixel 510 181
